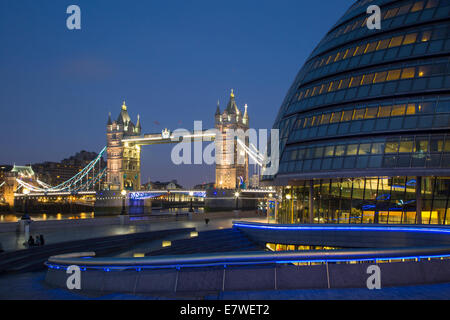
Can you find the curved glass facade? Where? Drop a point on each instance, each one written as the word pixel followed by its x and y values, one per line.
pixel 368 116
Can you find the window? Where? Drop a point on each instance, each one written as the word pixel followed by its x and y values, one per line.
pixel 355 81
pixel 404 9
pixel 380 77
pixel 391 147
pixel 347 115
pixel 336 117
pixel 393 75
pixel 359 114
pixel 410 38
pixel 368 79
pixel 406 146
pixel 417 6
pixel 411 109
pixel 424 71
pixel 385 111
pixel 383 44
pixel 398 110
pixel 377 148
pixel 426 35
pixel 391 13
pixel 396 41
pixel 329 151
pixel 364 149
pixel 421 145
pixel 408 73
pixel 352 149
pixel 340 150
pixel 325 118
pixel 432 4
pixel 359 50
pixel 371 113
pixel 371 47
pixel 344 83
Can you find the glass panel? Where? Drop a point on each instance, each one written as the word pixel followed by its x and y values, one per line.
pixel 371 113
pixel 391 147
pixel 396 41
pixel 359 114
pixel 352 149
pixel 393 75
pixel 410 38
pixel 368 79
pixel 398 110
pixel 408 73
pixel 385 111
pixel 380 77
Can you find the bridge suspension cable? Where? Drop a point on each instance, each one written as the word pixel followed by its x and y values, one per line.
pixel 75 183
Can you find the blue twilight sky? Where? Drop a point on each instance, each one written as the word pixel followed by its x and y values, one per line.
pixel 171 60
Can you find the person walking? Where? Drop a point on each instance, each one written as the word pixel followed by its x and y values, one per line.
pixel 41 237
pixel 30 242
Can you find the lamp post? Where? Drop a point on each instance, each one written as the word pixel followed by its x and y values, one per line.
pixel 236 194
pixel 124 212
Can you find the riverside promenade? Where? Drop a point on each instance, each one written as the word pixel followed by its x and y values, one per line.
pixel 56 231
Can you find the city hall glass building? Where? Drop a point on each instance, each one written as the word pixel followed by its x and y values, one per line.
pixel 365 127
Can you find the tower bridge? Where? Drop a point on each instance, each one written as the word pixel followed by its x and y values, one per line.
pixel 123 171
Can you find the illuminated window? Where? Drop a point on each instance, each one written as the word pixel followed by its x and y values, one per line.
pixel 352 149
pixel 344 83
pixel 377 148
pixel 371 113
pixel 396 41
pixel 391 147
pixel 383 44
pixel 359 114
pixel 393 75
pixel 411 109
pixel 391 13
pixel 371 47
pixel 424 71
pixel 421 145
pixel 349 53
pixel 406 146
pixel 334 86
pixel 380 77
pixel 408 73
pixel 385 111
pixel 410 38
pixel 307 93
pixel 338 56
pixel 340 151
pixel 347 115
pixel 417 6
pixel 368 79
pixel 329 151
pixel 355 81
pixel 364 149
pixel 336 117
pixel 325 118
pixel 426 36
pixel 398 110
pixel 359 50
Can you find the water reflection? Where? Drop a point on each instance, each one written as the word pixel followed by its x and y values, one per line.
pixel 11 217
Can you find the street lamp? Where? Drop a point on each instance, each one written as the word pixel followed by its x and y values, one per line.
pixel 237 200
pixel 123 193
pixel 25 215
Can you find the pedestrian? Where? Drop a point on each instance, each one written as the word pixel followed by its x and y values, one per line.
pixel 37 241
pixel 30 242
pixel 206 221
pixel 42 239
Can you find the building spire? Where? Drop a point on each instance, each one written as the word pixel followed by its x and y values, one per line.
pixel 232 93
pixel 218 108
pixel 124 106
pixel 109 119
pixel 138 123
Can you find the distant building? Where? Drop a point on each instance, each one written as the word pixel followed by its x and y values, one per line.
pixel 204 186
pixel 157 185
pixel 55 173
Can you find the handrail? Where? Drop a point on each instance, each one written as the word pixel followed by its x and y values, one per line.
pixel 249 258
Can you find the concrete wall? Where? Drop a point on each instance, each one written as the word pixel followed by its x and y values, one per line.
pixel 270 277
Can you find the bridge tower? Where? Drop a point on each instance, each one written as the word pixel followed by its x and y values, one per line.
pixel 229 175
pixel 124 161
